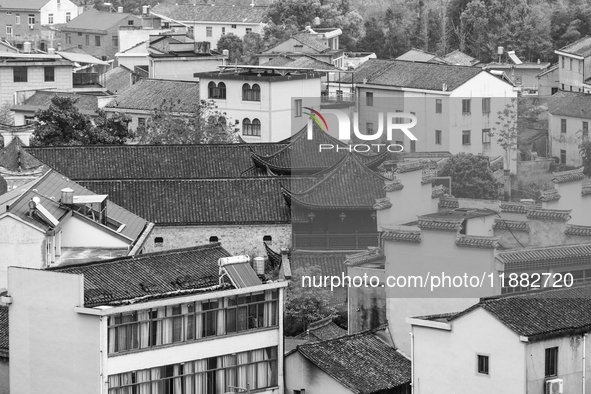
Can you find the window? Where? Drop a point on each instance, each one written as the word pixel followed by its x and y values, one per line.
pixel 369 128
pixel 437 137
pixel 141 122
pixel 87 40
pixel 97 41
pixel 31 19
pixel 298 108
pixel 17 19
pixel 562 58
pixel 482 364
pixel 251 93
pixel 571 64
pixel 466 106
pixel 158 241
pixel 413 146
pixel 233 26
pixel 115 41
pixel 248 30
pixel 486 136
pixel 79 34
pixel 49 74
pixel 9 30
pixel 256 369
pixel 369 99
pixel 208 32
pixel 466 137
pixel 213 238
pixel 486 105
pixel 251 128
pixel 216 92
pixel 29 119
pixel 585 129
pixel 130 22
pixel 438 106
pixel 563 126
pixel 68 39
pixel 20 74
pixel 562 157
pixel 50 19
pixel 551 364
pixel 68 16
pixel 223 31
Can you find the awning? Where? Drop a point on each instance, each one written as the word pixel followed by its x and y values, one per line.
pixel 82 58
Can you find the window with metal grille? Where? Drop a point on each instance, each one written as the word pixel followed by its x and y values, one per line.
pixel 466 106
pixel 466 137
pixel 551 364
pixel 49 74
pixel 486 136
pixel 437 137
pixel 20 74
pixel 482 364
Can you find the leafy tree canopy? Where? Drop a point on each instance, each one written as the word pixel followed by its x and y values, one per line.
pixel 471 177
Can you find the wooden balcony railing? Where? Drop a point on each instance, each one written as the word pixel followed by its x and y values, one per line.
pixel 332 241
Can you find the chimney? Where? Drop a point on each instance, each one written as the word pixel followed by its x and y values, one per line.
pixel 67 196
pixel 27 47
pixel 444 87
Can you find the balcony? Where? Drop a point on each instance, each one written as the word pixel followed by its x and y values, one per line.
pixel 85 79
pixel 333 241
pixel 338 99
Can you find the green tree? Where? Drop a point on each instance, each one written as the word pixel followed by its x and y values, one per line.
pixel 111 130
pixel 204 124
pixel 6 115
pixel 306 304
pixel 471 177
pixel 233 44
pixel 252 45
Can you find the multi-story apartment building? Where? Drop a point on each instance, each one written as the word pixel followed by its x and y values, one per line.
pixel 574 68
pixel 210 22
pixel 96 33
pixel 568 125
pixel 22 20
pixel 191 321
pixel 261 99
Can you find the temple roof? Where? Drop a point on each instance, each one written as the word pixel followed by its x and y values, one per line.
pixel 15 158
pixel 302 155
pixel 349 185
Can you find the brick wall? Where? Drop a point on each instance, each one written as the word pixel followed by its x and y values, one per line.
pixel 238 240
pixel 35 80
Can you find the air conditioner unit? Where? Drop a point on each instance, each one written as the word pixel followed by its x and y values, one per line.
pixel 554 386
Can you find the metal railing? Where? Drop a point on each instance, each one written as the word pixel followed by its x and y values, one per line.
pixel 332 241
pixel 81 79
pixel 338 98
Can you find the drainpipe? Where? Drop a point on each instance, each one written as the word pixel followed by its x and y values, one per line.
pixel 584 337
pixel 412 363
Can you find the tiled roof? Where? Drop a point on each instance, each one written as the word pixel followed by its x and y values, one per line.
pixel 403 74
pixel 311 41
pixel 154 161
pixel 118 79
pixel 586 190
pixel 515 207
pixel 95 20
pixel 437 191
pixel 349 185
pixel 210 13
pixel 568 176
pixel 301 155
pixel 367 256
pixel 416 55
pixel 322 330
pixel 23 4
pixel 570 104
pixel 581 231
pixel 513 225
pixel 581 47
pixel 408 166
pixel 459 58
pixel 311 62
pixel 393 185
pixel 330 263
pixel 427 179
pixel 549 214
pixel 549 195
pixel 544 254
pixel 48 189
pixel 382 203
pixel 475 241
pixel 15 158
pixel 86 103
pixel 449 202
pixel 3 331
pixel 444 224
pixel 151 275
pixel 361 362
pixel 149 94
pixel 198 202
pixel 279 61
pixel 402 236
pixel 544 314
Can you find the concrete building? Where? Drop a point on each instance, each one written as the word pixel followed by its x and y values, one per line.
pixel 209 22
pixel 568 125
pixel 53 221
pixel 96 33
pixel 574 66
pixel 263 100
pixel 320 43
pixel 526 344
pixel 548 81
pixel 523 74
pixel 194 320
pixel 23 20
pixel 30 72
pixel 366 362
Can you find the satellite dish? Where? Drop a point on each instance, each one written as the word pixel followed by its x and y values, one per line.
pixel 37 200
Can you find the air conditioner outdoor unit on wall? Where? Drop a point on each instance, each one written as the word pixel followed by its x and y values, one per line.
pixel 554 386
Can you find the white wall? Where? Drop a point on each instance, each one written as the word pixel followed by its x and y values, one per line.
pixel 569 141
pixel 302 374
pixel 183 68
pixel 445 362
pixel 77 233
pixel 58 10
pixel 200 30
